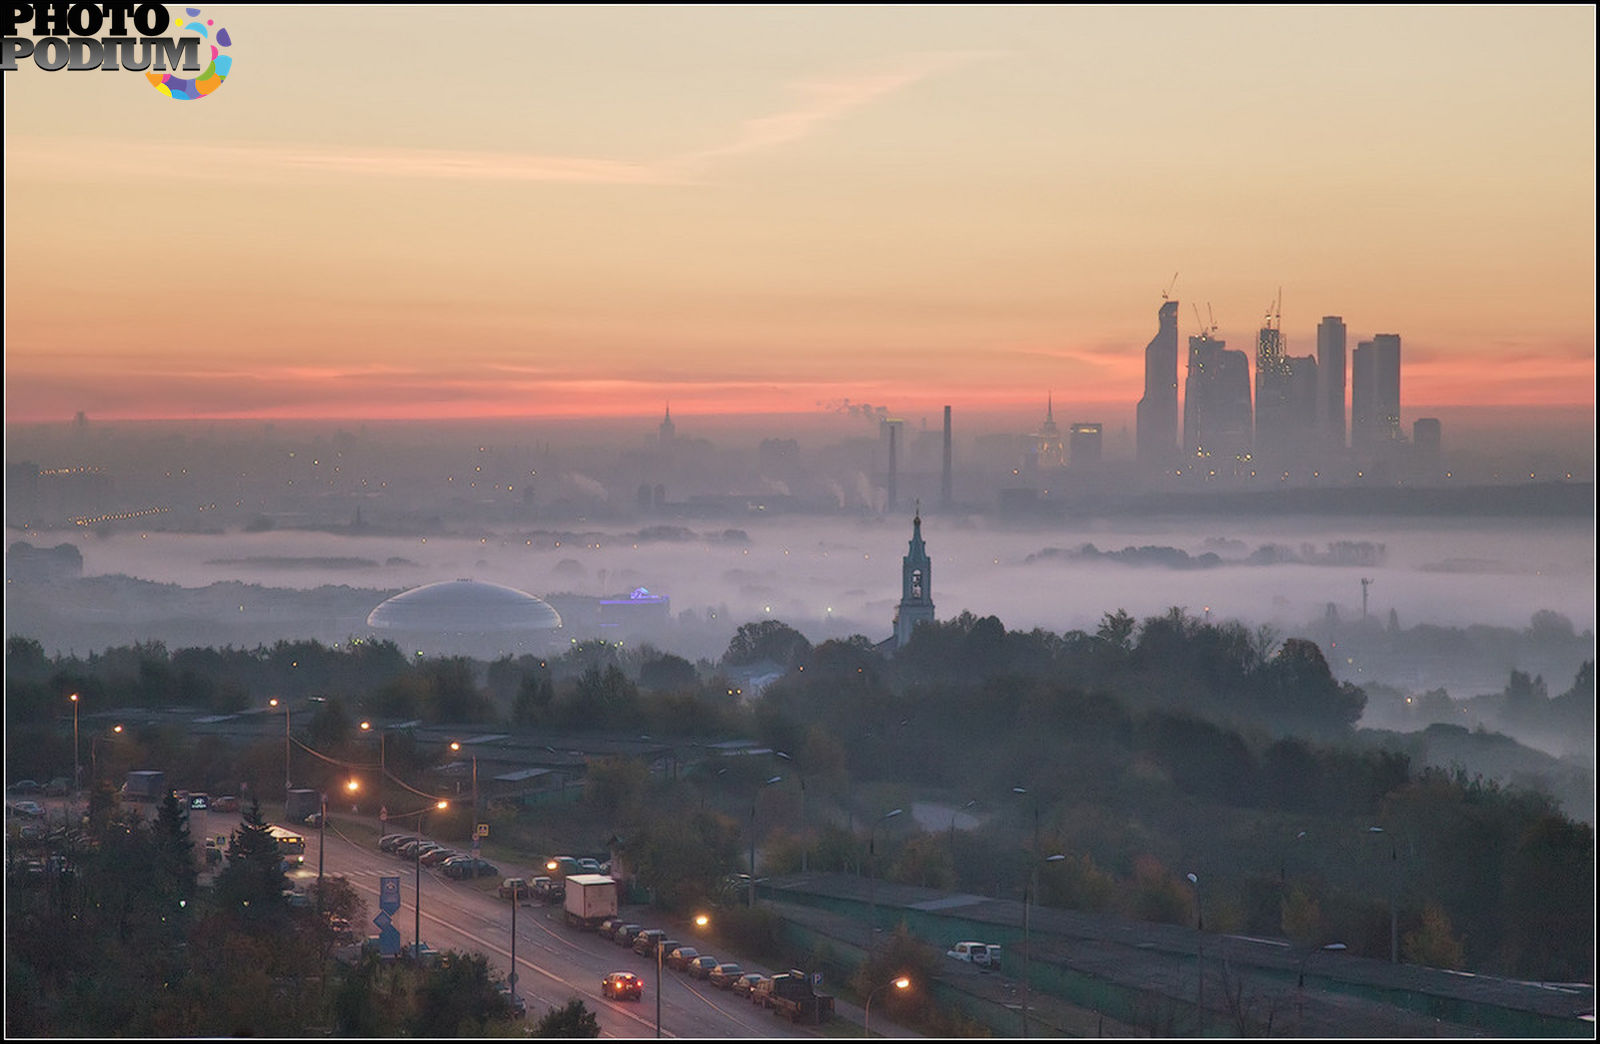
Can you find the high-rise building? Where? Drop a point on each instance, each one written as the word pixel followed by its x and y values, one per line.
pixel 1158 409
pixel 916 586
pixel 1286 394
pixel 1216 408
pixel 1427 436
pixel 667 429
pixel 1085 444
pixel 1330 368
pixel 946 484
pixel 1375 392
pixel 1050 451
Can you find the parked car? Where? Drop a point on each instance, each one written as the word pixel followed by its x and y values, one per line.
pixel 761 993
pixel 664 948
pixel 590 866
pixel 390 842
pixel 678 957
pixel 644 942
pixel 225 803
pixel 30 809
pixel 549 890
pixel 722 975
pixel 744 984
pixel 984 955
pixel 608 927
pixel 464 868
pixel 58 787
pixel 621 985
pixel 24 786
pixel 700 967
pixel 438 855
pixel 515 888
pixel 625 933
pixel 514 1001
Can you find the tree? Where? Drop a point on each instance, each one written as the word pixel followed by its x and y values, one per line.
pixel 1116 628
pixel 175 869
pixel 573 1020
pixel 456 998
pixel 766 640
pixel 252 883
pixel 1433 943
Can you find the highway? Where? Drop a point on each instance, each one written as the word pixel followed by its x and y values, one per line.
pixel 554 963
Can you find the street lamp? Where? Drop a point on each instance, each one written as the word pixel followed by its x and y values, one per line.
pixel 805 840
pixel 421 814
pixel 1300 984
pixel 75 769
pixel 768 783
pixel 1200 953
pixel 1394 887
pixel 1027 944
pixel 866 1022
pixel 94 756
pixel 322 834
pixel 456 746
pixel 287 786
pixel 872 878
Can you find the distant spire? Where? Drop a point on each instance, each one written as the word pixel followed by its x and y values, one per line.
pixel 917 519
pixel 1050 407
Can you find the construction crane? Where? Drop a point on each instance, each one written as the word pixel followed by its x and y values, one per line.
pixel 1167 293
pixel 1365 583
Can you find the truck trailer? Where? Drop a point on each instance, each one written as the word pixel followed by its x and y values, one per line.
pixel 145 785
pixel 591 898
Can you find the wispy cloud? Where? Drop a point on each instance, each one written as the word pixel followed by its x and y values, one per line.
pixel 819 102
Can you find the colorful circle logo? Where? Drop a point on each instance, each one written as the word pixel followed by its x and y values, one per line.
pixel 208 81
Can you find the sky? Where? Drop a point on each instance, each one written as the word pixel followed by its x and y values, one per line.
pixel 428 213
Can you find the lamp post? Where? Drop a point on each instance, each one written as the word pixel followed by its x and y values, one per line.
pixel 1200 953
pixel 455 745
pixel 872 878
pixel 287 786
pixel 75 769
pixel 805 840
pixel 322 835
pixel 1027 944
pixel 1300 982
pixel 1394 887
pixel 866 1021
pixel 768 783
pixel 94 756
pixel 421 814
pixel 953 814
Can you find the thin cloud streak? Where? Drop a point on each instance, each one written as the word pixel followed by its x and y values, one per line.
pixel 822 102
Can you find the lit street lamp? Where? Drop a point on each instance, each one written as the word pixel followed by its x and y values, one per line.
pixel 94 756
pixel 75 769
pixel 322 835
pixel 866 1022
pixel 287 786
pixel 456 746
pixel 421 814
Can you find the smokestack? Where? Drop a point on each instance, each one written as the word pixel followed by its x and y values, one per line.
pixel 944 485
pixel 891 467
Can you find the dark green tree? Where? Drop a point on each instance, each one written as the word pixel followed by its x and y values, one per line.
pixel 175 866
pixel 457 998
pixel 252 884
pixel 573 1020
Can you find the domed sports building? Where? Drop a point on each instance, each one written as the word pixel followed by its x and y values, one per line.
pixel 466 618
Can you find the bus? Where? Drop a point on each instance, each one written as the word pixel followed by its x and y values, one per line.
pixel 291 844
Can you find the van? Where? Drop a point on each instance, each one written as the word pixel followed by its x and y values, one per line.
pixel 645 942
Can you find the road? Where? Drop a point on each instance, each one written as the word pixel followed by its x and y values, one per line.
pixel 554 963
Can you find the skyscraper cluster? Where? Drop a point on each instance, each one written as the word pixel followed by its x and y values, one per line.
pixel 1297 413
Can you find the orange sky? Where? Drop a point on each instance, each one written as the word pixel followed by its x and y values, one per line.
pixel 562 211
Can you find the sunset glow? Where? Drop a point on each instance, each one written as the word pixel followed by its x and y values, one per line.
pixel 568 212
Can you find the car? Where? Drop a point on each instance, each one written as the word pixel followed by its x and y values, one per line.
pixel 761 993
pixel 679 956
pixel 644 942
pixel 438 855
pixel 724 974
pixel 411 850
pixel 624 934
pixel 57 787
pixel 608 927
pixel 225 803
pixel 24 786
pixel 390 842
pixel 514 888
pixel 548 890
pixel 622 985
pixel 464 868
pixel 984 955
pixel 590 866
pixel 700 967
pixel 514 1001
pixel 30 809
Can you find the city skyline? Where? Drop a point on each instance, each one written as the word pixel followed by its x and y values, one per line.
pixel 766 210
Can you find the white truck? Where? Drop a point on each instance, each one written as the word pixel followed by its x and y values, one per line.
pixel 984 955
pixel 591 898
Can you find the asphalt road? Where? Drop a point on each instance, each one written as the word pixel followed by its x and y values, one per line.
pixel 554 963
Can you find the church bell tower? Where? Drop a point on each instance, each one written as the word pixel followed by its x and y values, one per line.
pixel 916 586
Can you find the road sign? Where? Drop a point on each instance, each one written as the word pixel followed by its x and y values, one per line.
pixel 389 894
pixel 816 978
pixel 483 830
